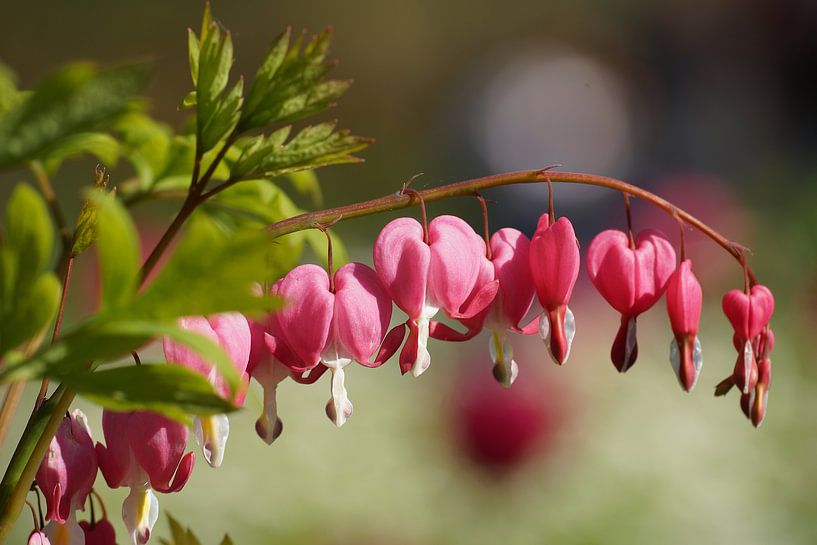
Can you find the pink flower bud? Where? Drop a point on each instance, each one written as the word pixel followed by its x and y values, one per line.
pixel 684 299
pixel 631 280
pixel 68 470
pixel 423 278
pixel 232 333
pixel 554 265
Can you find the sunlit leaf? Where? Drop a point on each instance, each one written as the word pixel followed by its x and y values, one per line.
pixel 118 245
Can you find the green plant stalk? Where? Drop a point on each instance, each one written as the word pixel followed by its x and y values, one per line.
pixel 26 459
pixel 43 424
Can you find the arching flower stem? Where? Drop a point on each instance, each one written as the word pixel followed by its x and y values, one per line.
pixel 404 199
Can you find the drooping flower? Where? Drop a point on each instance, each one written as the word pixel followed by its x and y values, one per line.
pixel 631 277
pixel 100 532
pixel 145 452
pixel 749 313
pixel 269 372
pixel 232 332
pixel 684 299
pixel 426 276
pixel 68 470
pixel 509 266
pixel 332 324
pixel 554 265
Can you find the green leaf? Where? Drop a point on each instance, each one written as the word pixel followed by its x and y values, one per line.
pixel 29 233
pixel 172 390
pixel 288 86
pixel 106 339
pixel 8 89
pixel 77 99
pixel 29 294
pixel 118 245
pixel 313 147
pixel 210 272
pixel 85 230
pixel 102 146
pixel 211 58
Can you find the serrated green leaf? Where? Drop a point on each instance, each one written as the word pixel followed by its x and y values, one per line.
pixel 288 86
pixel 102 146
pixel 78 98
pixel 118 247
pixel 216 116
pixel 314 146
pixel 172 390
pixel 210 272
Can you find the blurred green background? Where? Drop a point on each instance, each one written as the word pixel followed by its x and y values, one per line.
pixel 711 104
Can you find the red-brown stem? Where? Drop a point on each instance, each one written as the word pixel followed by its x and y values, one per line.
pixel 630 237
pixel 486 231
pixel 400 200
pixel 551 214
pixel 417 195
pixel 100 502
pixel 66 280
pixel 329 260
pixel 682 229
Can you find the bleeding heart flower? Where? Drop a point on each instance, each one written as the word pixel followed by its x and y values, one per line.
pixel 145 451
pixel 333 324
pixel 749 313
pixel 100 532
pixel 684 299
pixel 509 267
pixel 269 372
pixel 232 332
pixel 554 265
pixel 426 276
pixel 69 468
pixel 631 277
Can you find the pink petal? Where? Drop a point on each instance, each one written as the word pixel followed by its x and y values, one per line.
pixel 456 254
pixel 306 317
pixel 182 473
pixel 402 260
pixel 115 459
pixel 158 444
pixel 749 314
pixel 69 468
pixel 182 355
pixel 611 268
pixel 510 251
pixel 362 310
pixel 391 343
pixel 684 298
pixel 554 263
pixel 655 263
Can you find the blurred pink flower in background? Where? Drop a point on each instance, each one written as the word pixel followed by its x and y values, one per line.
pixel 500 430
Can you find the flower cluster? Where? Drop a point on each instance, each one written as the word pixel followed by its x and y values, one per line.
pixel 503 283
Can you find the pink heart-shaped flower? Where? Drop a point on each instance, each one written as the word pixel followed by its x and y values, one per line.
pixel 749 313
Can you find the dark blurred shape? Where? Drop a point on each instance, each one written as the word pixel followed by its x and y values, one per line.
pixel 499 430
